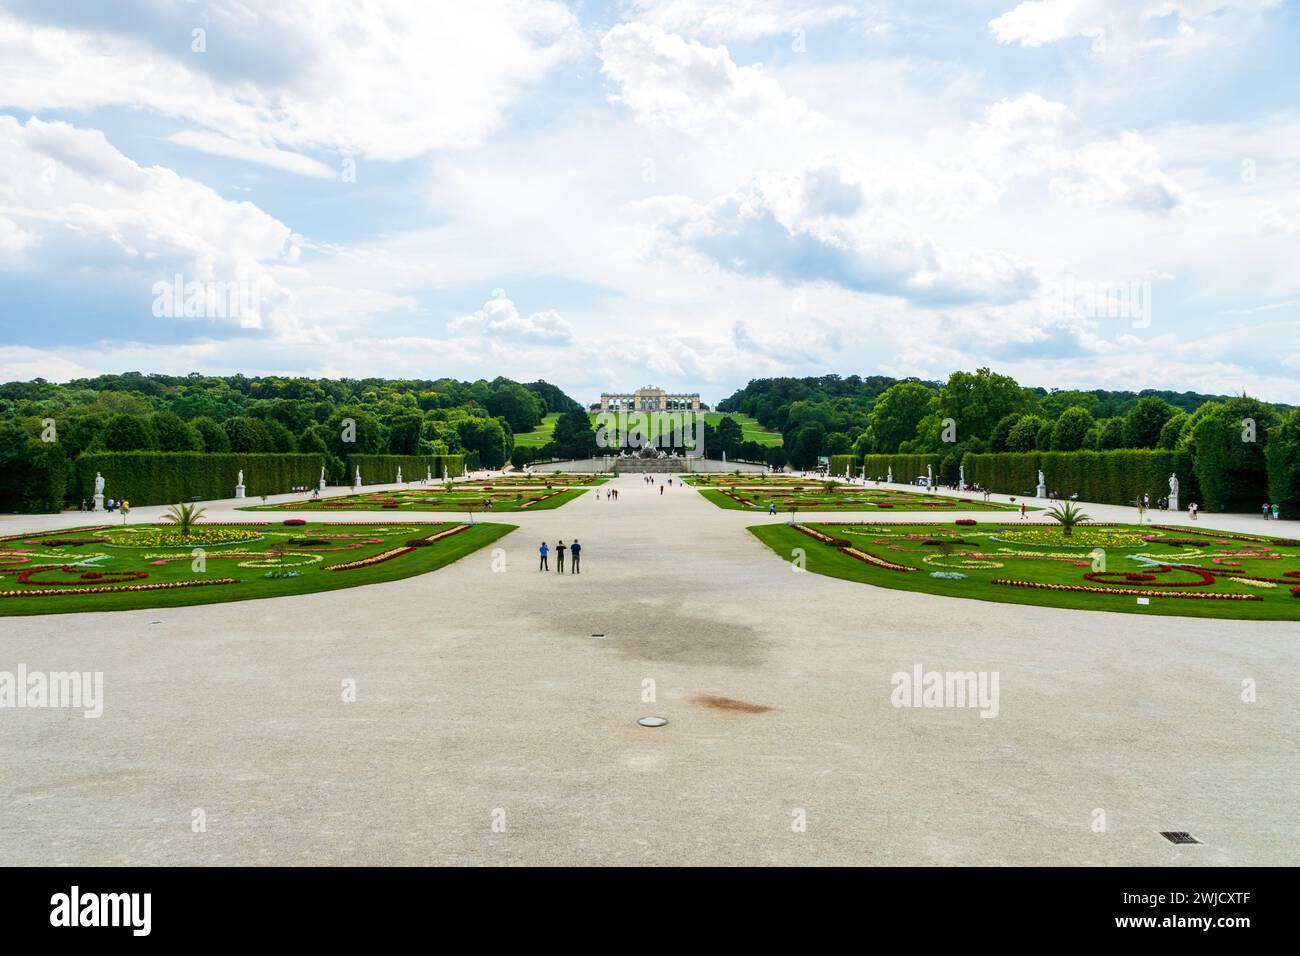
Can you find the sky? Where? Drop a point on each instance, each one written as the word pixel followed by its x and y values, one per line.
pixel 686 193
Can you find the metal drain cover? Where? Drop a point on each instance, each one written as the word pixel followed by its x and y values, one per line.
pixel 653 721
pixel 1178 836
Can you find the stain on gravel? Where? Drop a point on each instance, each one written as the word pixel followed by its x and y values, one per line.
pixel 729 705
pixel 654 633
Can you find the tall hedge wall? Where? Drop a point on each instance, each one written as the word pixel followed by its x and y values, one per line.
pixel 906 467
pixel 1107 477
pixel 166 477
pixel 382 469
pixel 844 465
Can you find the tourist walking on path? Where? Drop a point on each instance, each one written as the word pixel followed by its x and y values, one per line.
pixel 559 557
pixel 1192 509
pixel 575 552
pixel 543 551
pixel 1267 511
pixel 1022 511
pixel 771 507
pixel 661 489
pixel 1277 512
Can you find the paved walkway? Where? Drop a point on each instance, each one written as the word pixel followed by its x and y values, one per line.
pixel 487 695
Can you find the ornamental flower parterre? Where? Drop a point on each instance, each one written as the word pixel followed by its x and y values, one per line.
pixel 1140 592
pixel 159 586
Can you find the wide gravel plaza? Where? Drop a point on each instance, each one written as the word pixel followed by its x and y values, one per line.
pixel 496 711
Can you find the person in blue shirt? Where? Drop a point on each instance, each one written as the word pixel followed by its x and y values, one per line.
pixel 543 551
pixel 575 555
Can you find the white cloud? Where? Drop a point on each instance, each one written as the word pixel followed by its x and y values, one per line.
pixel 1032 137
pixel 381 78
pixel 499 318
pixel 89 209
pixel 219 145
pixel 1036 23
pixel 668 81
pixel 1125 171
pixel 727 20
pixel 783 227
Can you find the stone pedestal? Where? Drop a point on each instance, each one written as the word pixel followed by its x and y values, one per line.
pixel 1041 491
pixel 239 491
pixel 1173 503
pixel 99 503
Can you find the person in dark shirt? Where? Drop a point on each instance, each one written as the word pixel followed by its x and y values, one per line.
pixel 559 557
pixel 576 552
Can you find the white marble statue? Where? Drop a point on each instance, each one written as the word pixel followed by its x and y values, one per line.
pixel 356 480
pixel 99 483
pixel 1173 486
pixel 240 480
pixel 399 474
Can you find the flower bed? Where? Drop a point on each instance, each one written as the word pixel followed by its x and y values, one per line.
pixel 1140 592
pixel 875 561
pixel 160 586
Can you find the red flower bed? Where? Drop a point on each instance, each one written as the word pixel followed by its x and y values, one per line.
pixel 966 521
pixel 93 577
pixel 1206 577
pixel 292 521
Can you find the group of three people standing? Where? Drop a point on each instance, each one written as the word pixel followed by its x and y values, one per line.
pixel 575 550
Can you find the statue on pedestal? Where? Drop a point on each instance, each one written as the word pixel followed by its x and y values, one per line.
pixel 1041 490
pixel 239 484
pixel 1173 492
pixel 99 492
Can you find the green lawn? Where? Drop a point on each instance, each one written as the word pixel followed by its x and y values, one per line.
pixel 755 494
pixel 540 435
pixel 89 561
pixel 751 430
pixel 1175 561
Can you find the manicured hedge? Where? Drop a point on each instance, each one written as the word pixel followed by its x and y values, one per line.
pixel 1107 477
pixel 382 469
pixel 844 465
pixel 33 474
pixel 164 477
pixel 906 467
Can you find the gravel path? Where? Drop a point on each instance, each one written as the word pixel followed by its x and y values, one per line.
pixel 485 697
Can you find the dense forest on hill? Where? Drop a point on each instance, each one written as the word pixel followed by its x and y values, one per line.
pixel 225 413
pixel 977 411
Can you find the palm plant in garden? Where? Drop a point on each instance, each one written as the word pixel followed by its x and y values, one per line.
pixel 1067 514
pixel 184 516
